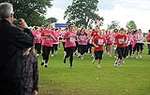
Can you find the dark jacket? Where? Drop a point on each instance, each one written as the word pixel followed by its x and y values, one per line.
pixel 12 43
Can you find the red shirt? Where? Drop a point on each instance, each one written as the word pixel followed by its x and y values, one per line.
pixel 114 38
pixel 121 40
pixel 94 33
pixel 126 40
pixel 148 37
pixel 99 41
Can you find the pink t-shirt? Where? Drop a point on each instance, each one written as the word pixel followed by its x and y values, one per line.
pixel 37 36
pixel 135 37
pixel 82 39
pixel 70 39
pixel 130 39
pixel 56 36
pixel 47 38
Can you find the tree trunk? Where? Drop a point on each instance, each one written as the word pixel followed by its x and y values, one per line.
pixel 86 24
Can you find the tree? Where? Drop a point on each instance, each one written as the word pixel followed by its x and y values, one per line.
pixel 51 20
pixel 114 25
pixel 82 12
pixel 31 10
pixel 131 25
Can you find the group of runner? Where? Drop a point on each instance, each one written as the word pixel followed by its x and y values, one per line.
pixel 121 43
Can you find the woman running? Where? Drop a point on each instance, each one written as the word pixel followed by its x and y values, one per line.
pixel 98 42
pixel 70 44
pixel 120 42
pixel 47 44
pixel 82 42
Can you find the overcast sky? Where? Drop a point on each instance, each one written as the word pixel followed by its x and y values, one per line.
pixel 120 10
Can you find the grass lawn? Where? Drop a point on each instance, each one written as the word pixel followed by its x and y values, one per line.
pixel 133 78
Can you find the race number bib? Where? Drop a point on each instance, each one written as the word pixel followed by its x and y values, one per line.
pixel 121 41
pixel 72 39
pixel 82 38
pixel 38 36
pixel 100 42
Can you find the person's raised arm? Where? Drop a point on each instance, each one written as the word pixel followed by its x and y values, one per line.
pixel 21 39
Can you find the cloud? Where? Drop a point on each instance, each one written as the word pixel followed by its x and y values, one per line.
pixel 142 5
pixel 57 13
pixel 58 9
pixel 125 10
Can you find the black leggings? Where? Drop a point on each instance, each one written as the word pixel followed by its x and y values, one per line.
pixel 140 47
pixel 89 47
pixel 54 48
pixel 82 49
pixel 38 48
pixel 148 48
pixel 69 53
pixel 135 48
pixel 46 51
pixel 130 50
pixel 125 52
pixel 120 52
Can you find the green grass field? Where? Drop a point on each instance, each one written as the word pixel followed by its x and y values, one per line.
pixel 133 78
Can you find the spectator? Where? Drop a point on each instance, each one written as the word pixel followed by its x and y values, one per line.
pixel 29 82
pixel 13 43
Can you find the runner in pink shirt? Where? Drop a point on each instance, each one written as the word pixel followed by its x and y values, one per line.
pixel 121 40
pixel 139 39
pixel 135 37
pixel 109 42
pixel 47 43
pixel 140 43
pixel 114 43
pixel 56 41
pixel 82 42
pixel 130 43
pixel 70 43
pixel 89 46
